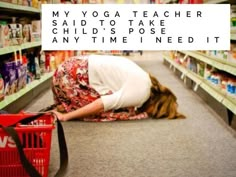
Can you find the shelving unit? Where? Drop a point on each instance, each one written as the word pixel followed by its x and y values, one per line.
pixel 221 97
pixel 5 6
pixel 21 11
pixel 215 62
pixel 23 46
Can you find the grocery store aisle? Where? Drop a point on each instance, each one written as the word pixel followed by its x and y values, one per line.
pixel 201 145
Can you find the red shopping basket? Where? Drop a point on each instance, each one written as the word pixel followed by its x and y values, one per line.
pixel 35 141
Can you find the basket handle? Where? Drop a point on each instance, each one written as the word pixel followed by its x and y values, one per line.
pixel 62 148
pixel 61 142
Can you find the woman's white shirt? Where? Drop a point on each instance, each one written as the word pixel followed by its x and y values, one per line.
pixel 129 83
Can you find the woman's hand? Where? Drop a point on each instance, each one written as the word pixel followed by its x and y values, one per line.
pixel 88 110
pixel 59 115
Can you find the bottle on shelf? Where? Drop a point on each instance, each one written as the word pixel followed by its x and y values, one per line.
pixel 37 68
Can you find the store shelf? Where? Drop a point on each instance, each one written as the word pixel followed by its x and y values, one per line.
pixel 185 73
pixel 23 46
pixel 215 92
pixel 12 98
pixel 16 7
pixel 230 103
pixel 217 63
pixel 216 1
pixel 168 1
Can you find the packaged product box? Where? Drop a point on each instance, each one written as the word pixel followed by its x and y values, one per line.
pixel 1 88
pixel 10 80
pixel 20 2
pixel 26 33
pixel 25 3
pixel 5 76
pixel 35 3
pixel 36 30
pixel 14 1
pixel 6 1
pixel 4 34
pixel 231 87
pixel 21 76
pixel 16 37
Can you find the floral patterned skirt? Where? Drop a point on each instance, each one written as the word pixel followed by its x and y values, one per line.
pixel 71 90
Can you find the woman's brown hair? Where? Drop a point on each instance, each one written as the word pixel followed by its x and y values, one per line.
pixel 162 102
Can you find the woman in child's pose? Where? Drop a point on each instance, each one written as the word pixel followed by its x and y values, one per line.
pixel 105 88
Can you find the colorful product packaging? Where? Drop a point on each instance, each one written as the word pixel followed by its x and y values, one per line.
pixel 16 37
pixel 232 57
pixel 4 34
pixel 26 33
pixel 20 2
pixel 14 1
pixel 231 87
pixel 21 74
pixel 9 76
pixel 1 88
pixel 36 30
pixel 47 61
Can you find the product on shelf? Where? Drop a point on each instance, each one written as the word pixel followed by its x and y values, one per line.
pixel 233 20
pixel 192 65
pixel 1 88
pixel 33 65
pixel 47 61
pixel 14 1
pixel 27 32
pixel 53 59
pixel 52 62
pixel 23 31
pixel 221 54
pixel 21 71
pixel 42 61
pixel 4 34
pixel 34 3
pixel 36 30
pixel 232 57
pixel 222 80
pixel 172 54
pixel 231 87
pixel 16 35
pixel 9 75
pixel 37 68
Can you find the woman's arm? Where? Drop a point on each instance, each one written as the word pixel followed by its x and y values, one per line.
pixel 90 109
